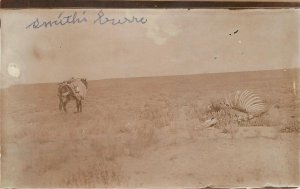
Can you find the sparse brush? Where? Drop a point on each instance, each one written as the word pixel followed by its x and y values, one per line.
pixel 200 115
pixel 107 148
pixel 142 137
pixel 214 106
pixel 44 162
pixel 257 121
pixel 224 118
pixel 194 112
pixel 102 174
pixel 291 126
pixel 231 129
pixel 159 117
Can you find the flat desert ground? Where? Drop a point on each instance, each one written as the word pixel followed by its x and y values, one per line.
pixel 147 132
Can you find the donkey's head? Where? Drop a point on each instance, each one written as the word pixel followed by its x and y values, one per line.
pixel 63 93
pixel 63 90
pixel 84 81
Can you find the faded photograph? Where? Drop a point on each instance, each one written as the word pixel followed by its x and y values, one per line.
pixel 149 98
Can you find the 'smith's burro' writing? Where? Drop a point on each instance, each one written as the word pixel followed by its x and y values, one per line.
pixel 80 18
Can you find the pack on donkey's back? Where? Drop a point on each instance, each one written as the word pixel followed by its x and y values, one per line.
pixel 73 89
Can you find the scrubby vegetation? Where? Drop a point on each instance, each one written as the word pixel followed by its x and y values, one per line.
pixel 122 119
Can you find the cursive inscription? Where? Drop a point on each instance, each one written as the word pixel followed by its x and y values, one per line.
pixel 79 18
pixel 102 19
pixel 61 20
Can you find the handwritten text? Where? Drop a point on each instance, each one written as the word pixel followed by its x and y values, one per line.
pixel 80 18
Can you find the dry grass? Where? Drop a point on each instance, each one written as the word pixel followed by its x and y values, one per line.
pixel 120 119
pixel 290 126
pixel 101 174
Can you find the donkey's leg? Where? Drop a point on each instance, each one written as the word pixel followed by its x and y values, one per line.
pixel 80 105
pixel 60 105
pixel 65 104
pixel 77 106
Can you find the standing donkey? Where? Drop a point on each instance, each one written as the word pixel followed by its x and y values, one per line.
pixel 73 89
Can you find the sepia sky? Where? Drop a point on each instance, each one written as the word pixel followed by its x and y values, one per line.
pixel 171 42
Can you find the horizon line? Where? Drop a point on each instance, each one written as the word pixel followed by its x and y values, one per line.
pixel 116 78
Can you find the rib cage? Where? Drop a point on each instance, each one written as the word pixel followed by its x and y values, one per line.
pixel 246 101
